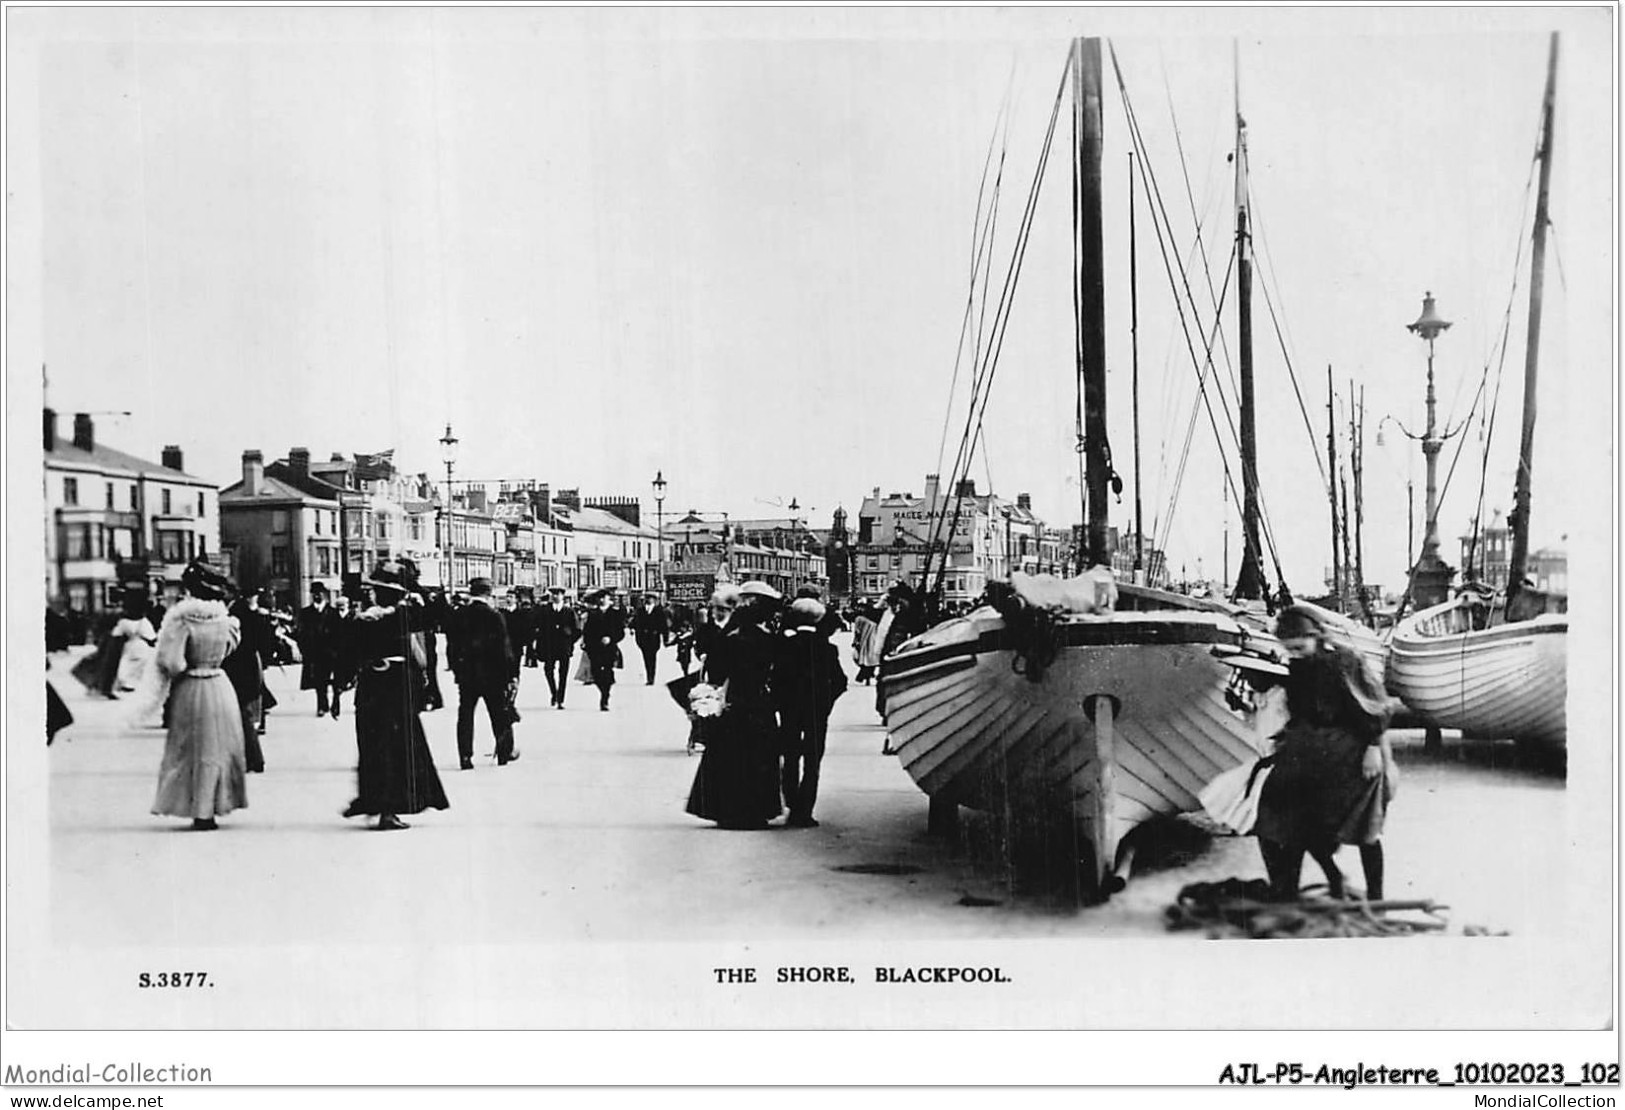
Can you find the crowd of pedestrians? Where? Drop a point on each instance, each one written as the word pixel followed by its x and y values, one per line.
pixel 199 671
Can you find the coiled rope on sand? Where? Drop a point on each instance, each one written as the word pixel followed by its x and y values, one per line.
pixel 1237 907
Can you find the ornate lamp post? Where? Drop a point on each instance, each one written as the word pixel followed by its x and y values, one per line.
pixel 659 486
pixel 448 454
pixel 795 546
pixel 1430 577
pixel 1009 543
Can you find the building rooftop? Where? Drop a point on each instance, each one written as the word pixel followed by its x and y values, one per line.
pixel 598 520
pixel 107 458
pixel 271 489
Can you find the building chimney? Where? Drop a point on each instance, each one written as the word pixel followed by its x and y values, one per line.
pixel 476 498
pixel 541 503
pixel 569 498
pixel 50 429
pixel 172 457
pixel 1024 502
pixel 623 508
pixel 84 432
pixel 299 461
pixel 933 487
pixel 967 487
pixel 253 473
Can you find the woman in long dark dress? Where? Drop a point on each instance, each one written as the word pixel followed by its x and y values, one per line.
pixel 737 783
pixel 395 773
pixel 1327 786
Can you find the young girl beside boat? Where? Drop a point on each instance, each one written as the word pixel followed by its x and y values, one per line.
pixel 1330 776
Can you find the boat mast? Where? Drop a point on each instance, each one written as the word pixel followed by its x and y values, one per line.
pixel 1092 293
pixel 1331 487
pixel 1249 580
pixel 1357 466
pixel 1134 337
pixel 1537 270
pixel 1348 560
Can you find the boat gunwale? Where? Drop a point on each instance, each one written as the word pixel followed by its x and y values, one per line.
pixel 1409 636
pixel 1142 628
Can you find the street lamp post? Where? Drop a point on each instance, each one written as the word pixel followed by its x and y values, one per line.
pixel 795 546
pixel 1430 576
pixel 659 485
pixel 448 454
pixel 1008 544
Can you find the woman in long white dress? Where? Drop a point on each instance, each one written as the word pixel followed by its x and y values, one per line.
pixel 140 639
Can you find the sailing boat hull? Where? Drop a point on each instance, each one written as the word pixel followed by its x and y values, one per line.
pixel 1130 720
pixel 1509 681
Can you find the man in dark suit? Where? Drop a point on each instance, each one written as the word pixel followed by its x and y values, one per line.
pixel 317 634
pixel 557 631
pixel 601 636
pixel 436 619
pixel 245 666
pixel 649 628
pixel 485 666
pixel 522 625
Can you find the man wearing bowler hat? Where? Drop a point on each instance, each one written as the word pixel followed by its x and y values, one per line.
pixel 317 634
pixel 650 627
pixel 522 625
pixel 484 665
pixel 602 633
pixel 557 630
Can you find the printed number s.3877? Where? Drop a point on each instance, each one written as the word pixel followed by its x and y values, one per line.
pixel 173 979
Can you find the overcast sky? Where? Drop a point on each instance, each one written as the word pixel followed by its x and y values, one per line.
pixel 734 245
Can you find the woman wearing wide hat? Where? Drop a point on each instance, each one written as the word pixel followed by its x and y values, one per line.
pixel 203 774
pixel 737 782
pixel 395 773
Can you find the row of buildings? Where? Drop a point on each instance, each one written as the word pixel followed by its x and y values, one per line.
pixel 969 538
pixel 118 523
pixel 121 523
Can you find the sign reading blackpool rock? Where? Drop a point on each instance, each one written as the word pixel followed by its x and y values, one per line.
pixel 689 588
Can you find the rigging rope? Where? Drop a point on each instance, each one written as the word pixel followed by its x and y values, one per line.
pixel 1280 339
pixel 1495 402
pixel 1196 409
pixel 1160 209
pixel 983 379
pixel 1217 301
pixel 1506 326
pixel 978 242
